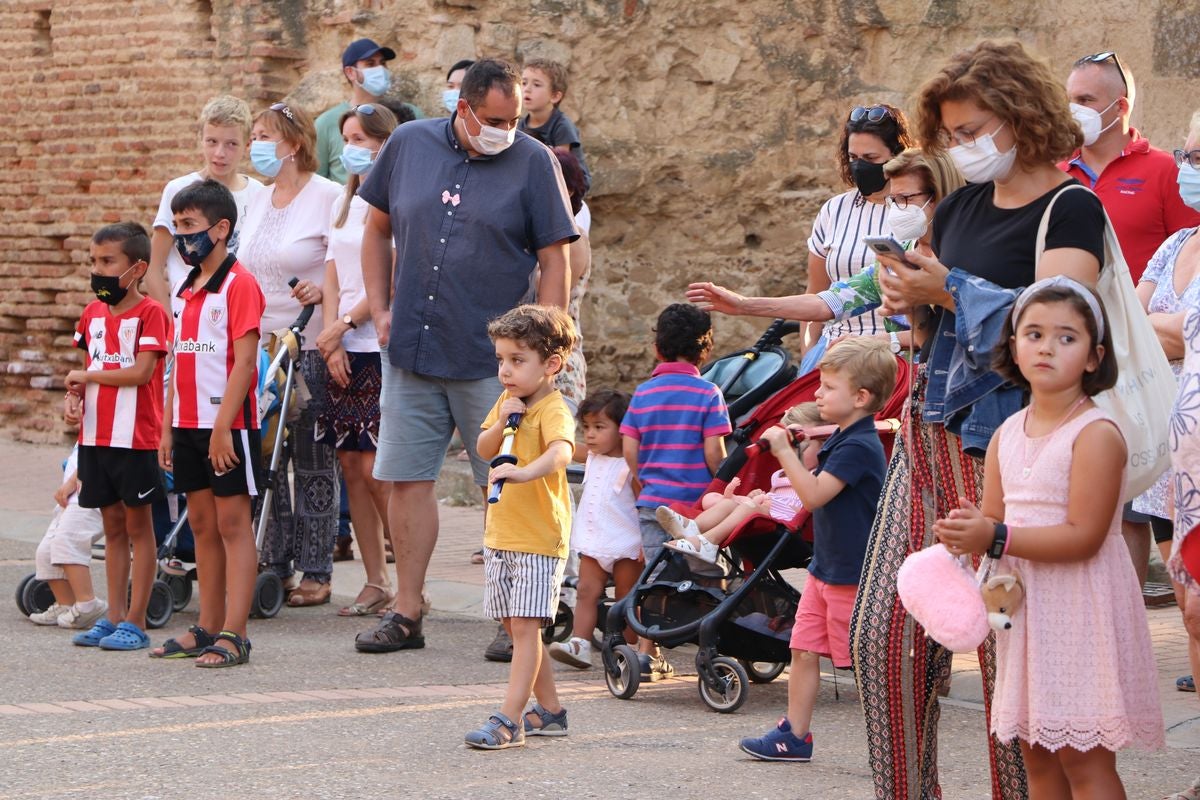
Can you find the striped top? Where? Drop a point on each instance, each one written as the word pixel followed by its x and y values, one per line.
pixel 837 236
pixel 670 416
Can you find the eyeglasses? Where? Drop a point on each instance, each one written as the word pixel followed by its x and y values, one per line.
pixel 1100 58
pixel 365 108
pixel 947 138
pixel 870 113
pixel 1191 157
pixel 282 108
pixel 900 201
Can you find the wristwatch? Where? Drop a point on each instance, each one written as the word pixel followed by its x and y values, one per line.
pixel 895 343
pixel 346 319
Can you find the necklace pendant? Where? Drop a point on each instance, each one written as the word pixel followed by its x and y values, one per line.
pixel 1025 472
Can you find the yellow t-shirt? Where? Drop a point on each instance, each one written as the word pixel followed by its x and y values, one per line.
pixel 534 517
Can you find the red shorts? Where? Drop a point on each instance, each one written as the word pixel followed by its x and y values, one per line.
pixel 823 620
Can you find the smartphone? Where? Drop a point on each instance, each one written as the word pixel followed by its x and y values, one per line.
pixel 886 245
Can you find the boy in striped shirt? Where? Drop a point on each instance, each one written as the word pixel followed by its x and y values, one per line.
pixel 124 336
pixel 673 434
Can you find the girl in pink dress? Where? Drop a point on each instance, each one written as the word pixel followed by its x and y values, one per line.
pixel 1075 675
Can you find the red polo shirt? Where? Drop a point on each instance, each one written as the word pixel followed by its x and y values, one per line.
pixel 1140 194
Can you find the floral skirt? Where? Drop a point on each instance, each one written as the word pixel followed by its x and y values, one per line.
pixel 350 421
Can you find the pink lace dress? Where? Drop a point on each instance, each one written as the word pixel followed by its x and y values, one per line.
pixel 1076 669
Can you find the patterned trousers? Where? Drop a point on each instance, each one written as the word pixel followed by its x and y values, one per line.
pixel 897 668
pixel 306 535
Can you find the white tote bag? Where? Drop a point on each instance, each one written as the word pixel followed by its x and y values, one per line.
pixel 1141 401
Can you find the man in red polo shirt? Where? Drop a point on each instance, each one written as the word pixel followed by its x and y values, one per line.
pixel 1137 185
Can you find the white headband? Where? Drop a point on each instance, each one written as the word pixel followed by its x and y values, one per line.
pixel 1062 282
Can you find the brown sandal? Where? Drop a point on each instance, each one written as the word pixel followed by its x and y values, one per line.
pixel 394 632
pixel 310 597
pixel 361 609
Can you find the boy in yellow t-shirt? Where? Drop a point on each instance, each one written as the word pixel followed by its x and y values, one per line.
pixel 526 534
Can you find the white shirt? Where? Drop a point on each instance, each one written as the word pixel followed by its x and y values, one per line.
pixel 279 244
pixel 584 219
pixel 837 236
pixel 176 269
pixel 345 251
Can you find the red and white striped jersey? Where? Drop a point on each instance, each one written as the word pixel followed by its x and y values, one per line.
pixel 122 416
pixel 207 323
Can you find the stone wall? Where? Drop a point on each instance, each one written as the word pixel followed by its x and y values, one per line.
pixel 710 126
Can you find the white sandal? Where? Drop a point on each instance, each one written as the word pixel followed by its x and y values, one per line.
pixel 675 524
pixel 708 551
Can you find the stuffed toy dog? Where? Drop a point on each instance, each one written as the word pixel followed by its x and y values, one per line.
pixel 1002 596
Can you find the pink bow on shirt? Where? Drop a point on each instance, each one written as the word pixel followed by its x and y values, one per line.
pixel 452 199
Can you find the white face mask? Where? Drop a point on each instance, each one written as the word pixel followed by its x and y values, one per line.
pixel 983 161
pixel 908 223
pixel 1089 120
pixel 491 141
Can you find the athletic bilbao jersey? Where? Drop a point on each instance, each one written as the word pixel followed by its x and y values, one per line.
pixel 208 321
pixel 122 416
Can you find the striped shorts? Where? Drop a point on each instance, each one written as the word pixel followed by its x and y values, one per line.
pixel 521 584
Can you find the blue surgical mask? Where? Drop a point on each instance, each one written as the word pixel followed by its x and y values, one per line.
pixel 450 99
pixel 193 248
pixel 1189 186
pixel 376 81
pixel 262 156
pixel 357 160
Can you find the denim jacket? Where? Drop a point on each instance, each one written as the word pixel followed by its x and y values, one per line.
pixel 963 393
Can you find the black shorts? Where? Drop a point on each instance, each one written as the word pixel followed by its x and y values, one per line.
pixel 112 475
pixel 193 471
pixel 1163 529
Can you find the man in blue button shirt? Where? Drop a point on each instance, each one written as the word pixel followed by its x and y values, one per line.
pixel 473 206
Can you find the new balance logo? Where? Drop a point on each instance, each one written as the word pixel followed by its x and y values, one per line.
pixel 781 747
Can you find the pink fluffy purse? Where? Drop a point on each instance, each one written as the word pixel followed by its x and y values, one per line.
pixel 936 588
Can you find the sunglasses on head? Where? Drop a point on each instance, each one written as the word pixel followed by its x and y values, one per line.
pixel 282 108
pixel 870 113
pixel 365 108
pixel 1100 58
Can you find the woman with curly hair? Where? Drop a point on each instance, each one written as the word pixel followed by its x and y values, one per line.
pixel 1003 116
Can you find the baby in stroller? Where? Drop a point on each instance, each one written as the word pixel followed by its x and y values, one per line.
pixel 724 512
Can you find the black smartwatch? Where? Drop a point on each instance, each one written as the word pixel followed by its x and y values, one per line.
pixel 999 541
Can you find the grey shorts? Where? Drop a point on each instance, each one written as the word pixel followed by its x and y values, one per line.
pixel 418 414
pixel 521 584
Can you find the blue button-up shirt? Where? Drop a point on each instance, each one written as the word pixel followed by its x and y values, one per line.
pixel 467 231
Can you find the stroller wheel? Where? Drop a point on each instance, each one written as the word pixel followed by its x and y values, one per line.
pixel 181 590
pixel 762 671
pixel 20 598
pixel 33 596
pixel 268 596
pixel 162 605
pixel 560 629
pixel 732 682
pixel 622 671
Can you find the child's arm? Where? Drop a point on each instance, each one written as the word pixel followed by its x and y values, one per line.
pixel 140 373
pixel 241 380
pixel 489 441
pixel 814 491
pixel 629 449
pixel 166 440
pixel 555 459
pixel 580 454
pixel 1094 490
pixel 69 487
pixel 714 452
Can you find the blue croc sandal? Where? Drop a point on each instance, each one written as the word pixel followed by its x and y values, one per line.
pixel 498 733
pixel 127 636
pixel 551 724
pixel 1186 684
pixel 92 638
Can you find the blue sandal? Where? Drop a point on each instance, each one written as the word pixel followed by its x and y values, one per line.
pixel 1186 684
pixel 171 648
pixel 240 654
pixel 127 636
pixel 551 724
pixel 498 733
pixel 91 638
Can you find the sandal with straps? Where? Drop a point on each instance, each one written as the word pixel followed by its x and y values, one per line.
pixel 232 658
pixel 498 733
pixel 548 724
pixel 361 609
pixel 394 632
pixel 171 648
pixel 706 552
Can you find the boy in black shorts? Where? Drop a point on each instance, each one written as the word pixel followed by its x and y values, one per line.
pixel 119 394
pixel 210 438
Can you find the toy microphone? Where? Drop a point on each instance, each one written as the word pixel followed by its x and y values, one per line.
pixel 505 455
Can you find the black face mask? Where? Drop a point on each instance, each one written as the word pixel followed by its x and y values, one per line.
pixel 868 177
pixel 108 289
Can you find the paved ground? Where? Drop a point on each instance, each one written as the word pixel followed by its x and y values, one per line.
pixel 310 717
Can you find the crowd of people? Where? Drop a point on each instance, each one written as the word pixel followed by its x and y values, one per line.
pixel 449 258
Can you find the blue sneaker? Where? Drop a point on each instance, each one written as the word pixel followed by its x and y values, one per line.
pixel 126 636
pixel 779 745
pixel 91 638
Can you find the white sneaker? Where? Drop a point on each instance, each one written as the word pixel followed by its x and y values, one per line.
pixel 575 651
pixel 49 616
pixel 82 620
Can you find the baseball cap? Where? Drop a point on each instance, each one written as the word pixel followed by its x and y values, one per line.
pixel 364 48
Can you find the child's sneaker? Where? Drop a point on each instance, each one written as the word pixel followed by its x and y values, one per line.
pixel 91 638
pixel 576 652
pixel 126 636
pixel 655 668
pixel 82 620
pixel 779 744
pixel 49 616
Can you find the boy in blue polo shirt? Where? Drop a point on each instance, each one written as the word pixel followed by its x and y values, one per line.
pixel 857 377
pixel 673 434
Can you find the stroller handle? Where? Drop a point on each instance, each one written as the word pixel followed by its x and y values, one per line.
pixel 305 313
pixel 775 332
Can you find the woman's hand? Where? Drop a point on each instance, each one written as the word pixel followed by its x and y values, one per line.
pixel 966 530
pixel 329 340
pixel 338 364
pixel 904 287
pixel 711 297
pixel 308 293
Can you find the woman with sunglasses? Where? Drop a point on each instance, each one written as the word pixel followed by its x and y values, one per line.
pixel 1004 118
pixel 285 235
